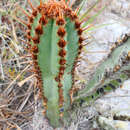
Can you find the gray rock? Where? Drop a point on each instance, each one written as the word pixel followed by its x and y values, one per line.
pixel 110 124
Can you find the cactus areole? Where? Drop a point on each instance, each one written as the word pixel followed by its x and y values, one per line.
pixel 54 35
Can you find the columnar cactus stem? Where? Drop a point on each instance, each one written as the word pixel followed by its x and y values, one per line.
pixel 54 32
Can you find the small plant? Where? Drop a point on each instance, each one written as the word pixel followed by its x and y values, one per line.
pixel 55 35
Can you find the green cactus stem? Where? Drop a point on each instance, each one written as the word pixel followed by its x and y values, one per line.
pixel 109 75
pixel 110 84
pixel 55 43
pixel 112 63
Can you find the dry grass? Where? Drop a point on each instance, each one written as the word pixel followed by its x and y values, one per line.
pixel 16 86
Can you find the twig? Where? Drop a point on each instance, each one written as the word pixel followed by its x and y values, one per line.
pixel 2 72
pixel 7 91
pixel 15 37
pixel 26 98
pixel 25 80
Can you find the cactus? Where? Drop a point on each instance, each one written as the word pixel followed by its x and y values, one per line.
pixel 110 84
pixel 111 64
pixel 55 43
pixel 109 75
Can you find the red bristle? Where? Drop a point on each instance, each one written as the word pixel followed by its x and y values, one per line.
pixel 77 24
pixel 39 29
pixel 61 74
pixel 62 53
pixel 81 39
pixel 61 32
pixel 57 14
pixel 62 68
pixel 62 43
pixel 34 13
pixel 39 8
pixel 28 37
pixel 35 49
pixel 45 99
pixel 34 56
pixel 43 20
pixel 37 67
pixel 62 61
pixel 73 17
pixel 39 82
pixel 40 92
pixel 60 21
pixel 35 63
pixel 79 52
pixel 80 31
pixel 80 47
pixel 68 11
pixel 29 26
pixel 28 32
pixel 31 19
pixel 37 72
pixel 36 39
pixel 41 2
pixel 57 79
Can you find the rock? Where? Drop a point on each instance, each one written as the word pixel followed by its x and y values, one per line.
pixel 110 124
pixel 111 104
pixel 116 106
